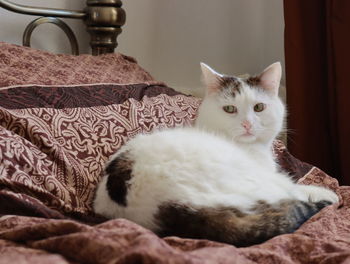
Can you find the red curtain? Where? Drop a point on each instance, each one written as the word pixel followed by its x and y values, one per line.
pixel 317 53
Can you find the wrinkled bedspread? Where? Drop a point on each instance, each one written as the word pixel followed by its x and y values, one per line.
pixel 325 238
pixel 51 157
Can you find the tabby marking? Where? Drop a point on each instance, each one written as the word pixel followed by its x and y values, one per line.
pixel 232 83
pixel 253 81
pixel 230 225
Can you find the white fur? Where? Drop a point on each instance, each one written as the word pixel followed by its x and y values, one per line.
pixel 211 164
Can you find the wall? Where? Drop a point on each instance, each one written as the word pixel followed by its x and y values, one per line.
pixel 169 38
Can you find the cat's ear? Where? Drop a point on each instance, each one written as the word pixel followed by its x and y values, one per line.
pixel 270 78
pixel 210 78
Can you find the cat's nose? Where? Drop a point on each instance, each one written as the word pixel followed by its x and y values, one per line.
pixel 246 124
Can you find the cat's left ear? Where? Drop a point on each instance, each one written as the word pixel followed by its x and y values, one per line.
pixel 270 78
pixel 210 78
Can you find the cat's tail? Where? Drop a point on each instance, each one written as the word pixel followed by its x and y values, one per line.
pixel 230 225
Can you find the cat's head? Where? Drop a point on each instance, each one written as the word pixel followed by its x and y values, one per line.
pixel 246 110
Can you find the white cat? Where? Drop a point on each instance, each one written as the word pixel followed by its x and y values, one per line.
pixel 217 180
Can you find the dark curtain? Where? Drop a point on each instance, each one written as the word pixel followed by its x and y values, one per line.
pixel 317 53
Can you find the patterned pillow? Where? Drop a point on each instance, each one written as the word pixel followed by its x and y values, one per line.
pixel 54 140
pixel 23 65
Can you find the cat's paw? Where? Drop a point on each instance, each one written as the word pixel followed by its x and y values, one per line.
pixel 324 195
pixel 316 194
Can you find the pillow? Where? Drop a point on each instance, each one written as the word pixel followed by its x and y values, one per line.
pixel 54 140
pixel 23 65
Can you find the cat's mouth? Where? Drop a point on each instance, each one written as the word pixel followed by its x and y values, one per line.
pixel 247 134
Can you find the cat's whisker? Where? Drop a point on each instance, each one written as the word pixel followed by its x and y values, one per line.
pixel 290 131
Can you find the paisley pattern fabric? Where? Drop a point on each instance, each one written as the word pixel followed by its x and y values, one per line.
pixel 53 143
pixel 55 140
pixel 23 65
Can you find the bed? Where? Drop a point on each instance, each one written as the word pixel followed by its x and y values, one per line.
pixel 62 116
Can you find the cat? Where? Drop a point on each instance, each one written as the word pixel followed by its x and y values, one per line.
pixel 218 179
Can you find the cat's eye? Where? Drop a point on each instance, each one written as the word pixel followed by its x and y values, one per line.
pixel 259 107
pixel 231 109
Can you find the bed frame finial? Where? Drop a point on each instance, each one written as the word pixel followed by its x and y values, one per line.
pixel 104 19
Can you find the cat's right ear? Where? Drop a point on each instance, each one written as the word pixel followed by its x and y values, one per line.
pixel 270 78
pixel 210 78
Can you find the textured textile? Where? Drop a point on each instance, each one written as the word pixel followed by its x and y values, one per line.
pixel 322 239
pixel 23 65
pixel 54 140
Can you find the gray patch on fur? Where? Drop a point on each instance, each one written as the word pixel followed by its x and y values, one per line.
pixel 119 172
pixel 253 81
pixel 230 83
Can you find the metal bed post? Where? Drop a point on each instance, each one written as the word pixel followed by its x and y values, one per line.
pixel 103 18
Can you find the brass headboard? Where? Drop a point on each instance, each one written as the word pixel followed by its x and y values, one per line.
pixel 103 19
